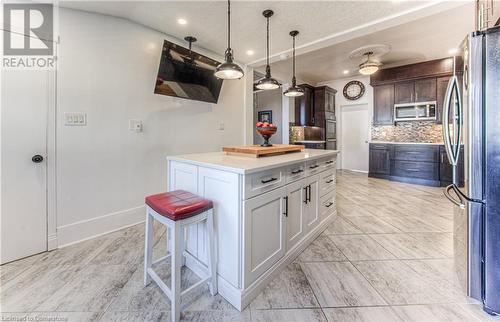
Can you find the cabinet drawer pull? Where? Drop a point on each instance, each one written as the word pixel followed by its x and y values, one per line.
pixel 329 162
pixel 269 180
pixel 329 181
pixel 297 171
pixel 328 205
pixel 412 170
pixel 313 166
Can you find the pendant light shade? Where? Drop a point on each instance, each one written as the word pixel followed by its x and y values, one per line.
pixel 228 69
pixel 369 66
pixel 267 82
pixel 294 90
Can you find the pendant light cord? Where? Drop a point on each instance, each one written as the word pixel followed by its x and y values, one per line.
pixel 268 68
pixel 229 25
pixel 293 63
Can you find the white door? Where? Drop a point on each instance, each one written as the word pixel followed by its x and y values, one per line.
pixel 311 191
pixel 25 97
pixel 354 137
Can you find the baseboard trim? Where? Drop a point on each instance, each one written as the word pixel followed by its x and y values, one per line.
pixel 52 242
pixel 87 229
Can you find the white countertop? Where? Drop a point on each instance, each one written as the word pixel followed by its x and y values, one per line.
pixel 309 141
pixel 244 165
pixel 424 143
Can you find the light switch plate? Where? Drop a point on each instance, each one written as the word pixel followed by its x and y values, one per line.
pixel 75 119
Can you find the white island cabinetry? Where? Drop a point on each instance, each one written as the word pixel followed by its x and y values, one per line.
pixel 267 210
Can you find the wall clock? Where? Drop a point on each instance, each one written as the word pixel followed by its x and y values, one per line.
pixel 354 90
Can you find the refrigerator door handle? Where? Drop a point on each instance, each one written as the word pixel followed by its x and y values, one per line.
pixel 452 155
pixel 447 194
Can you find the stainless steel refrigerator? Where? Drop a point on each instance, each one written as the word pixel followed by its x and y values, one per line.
pixel 471 117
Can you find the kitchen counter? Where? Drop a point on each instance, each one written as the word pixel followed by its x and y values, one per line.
pixel 267 211
pixel 245 165
pixel 423 143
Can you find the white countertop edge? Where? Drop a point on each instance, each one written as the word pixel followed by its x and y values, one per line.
pixel 182 158
pixel 409 143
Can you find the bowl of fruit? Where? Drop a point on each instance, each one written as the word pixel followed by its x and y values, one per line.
pixel 266 130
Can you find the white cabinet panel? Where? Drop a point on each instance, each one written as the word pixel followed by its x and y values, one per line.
pixel 183 176
pixel 223 189
pixel 264 233
pixel 295 221
pixel 295 172
pixel 311 214
pixel 327 181
pixel 327 205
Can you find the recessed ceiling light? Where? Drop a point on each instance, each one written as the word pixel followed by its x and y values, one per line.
pixel 250 52
pixel 452 51
pixel 182 21
pixel 345 72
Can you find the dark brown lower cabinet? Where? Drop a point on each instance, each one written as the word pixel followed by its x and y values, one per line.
pixel 380 160
pixel 412 163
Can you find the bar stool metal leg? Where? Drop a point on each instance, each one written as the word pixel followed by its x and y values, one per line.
pixel 212 255
pixel 148 247
pixel 176 271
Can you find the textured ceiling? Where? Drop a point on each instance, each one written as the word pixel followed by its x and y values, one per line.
pixel 316 20
pixel 420 40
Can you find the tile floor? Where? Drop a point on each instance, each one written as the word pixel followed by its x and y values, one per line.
pixel 387 257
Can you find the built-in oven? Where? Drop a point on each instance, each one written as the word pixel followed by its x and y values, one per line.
pixel 421 111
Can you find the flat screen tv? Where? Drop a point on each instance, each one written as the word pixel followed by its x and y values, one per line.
pixel 187 74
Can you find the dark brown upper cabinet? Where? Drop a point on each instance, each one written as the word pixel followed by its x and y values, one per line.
pixel 425 90
pixel 421 90
pixel 304 107
pixel 404 92
pixel 324 105
pixel 383 107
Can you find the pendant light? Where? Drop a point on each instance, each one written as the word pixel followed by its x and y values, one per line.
pixel 294 90
pixel 228 69
pixel 267 82
pixel 369 66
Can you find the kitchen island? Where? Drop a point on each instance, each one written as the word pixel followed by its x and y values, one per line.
pixel 267 211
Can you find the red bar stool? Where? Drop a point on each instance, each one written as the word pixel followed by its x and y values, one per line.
pixel 177 210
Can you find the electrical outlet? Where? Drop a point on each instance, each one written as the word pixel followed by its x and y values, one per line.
pixel 75 119
pixel 135 125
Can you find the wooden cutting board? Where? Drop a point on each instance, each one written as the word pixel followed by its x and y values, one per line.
pixel 257 151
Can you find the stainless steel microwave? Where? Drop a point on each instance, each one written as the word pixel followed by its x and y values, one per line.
pixel 421 111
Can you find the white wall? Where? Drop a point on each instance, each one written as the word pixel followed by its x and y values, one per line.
pixel 107 69
pixel 340 101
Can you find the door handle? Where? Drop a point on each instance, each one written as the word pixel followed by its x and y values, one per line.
pixel 329 162
pixel 329 181
pixel 305 195
pixel 313 166
pixel 286 206
pixel 297 171
pixel 37 158
pixel 328 205
pixel 309 194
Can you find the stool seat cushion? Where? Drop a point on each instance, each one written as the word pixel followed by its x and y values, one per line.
pixel 178 204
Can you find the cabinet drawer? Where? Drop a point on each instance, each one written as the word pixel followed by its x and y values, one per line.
pixel 260 182
pixel 416 153
pixel 295 172
pixel 327 163
pixel 327 205
pixel 420 170
pixel 326 181
pixel 312 167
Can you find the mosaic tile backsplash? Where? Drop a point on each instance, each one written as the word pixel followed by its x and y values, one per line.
pixel 423 131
